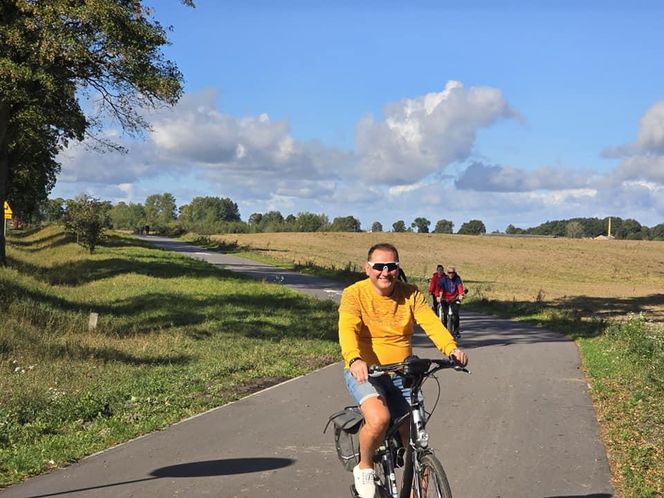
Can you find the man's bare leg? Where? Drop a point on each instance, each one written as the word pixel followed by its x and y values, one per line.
pixel 372 433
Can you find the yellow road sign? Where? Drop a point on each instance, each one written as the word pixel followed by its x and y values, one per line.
pixel 8 211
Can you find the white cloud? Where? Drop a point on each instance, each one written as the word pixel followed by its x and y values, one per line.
pixel 643 167
pixel 82 163
pixel 488 178
pixel 422 135
pixel 400 169
pixel 198 134
pixel 651 130
pixel 650 140
pixel 637 183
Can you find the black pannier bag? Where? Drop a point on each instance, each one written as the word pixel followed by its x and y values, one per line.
pixel 347 423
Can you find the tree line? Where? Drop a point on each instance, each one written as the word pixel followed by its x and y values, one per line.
pixel 86 218
pixel 577 228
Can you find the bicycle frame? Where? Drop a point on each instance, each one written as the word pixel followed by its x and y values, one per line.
pixel 418 440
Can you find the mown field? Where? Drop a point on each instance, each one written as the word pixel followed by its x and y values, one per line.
pixel 591 276
pixel 607 295
pixel 175 337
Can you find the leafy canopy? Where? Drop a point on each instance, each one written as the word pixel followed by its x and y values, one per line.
pixel 53 55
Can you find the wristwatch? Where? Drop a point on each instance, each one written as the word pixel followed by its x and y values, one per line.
pixel 353 360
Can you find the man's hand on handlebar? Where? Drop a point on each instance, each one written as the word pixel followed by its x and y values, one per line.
pixel 460 357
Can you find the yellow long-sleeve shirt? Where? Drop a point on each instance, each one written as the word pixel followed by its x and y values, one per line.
pixel 379 329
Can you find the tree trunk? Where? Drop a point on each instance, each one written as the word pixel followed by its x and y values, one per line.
pixel 4 172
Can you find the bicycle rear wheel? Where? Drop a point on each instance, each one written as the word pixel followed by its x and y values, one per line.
pixel 432 479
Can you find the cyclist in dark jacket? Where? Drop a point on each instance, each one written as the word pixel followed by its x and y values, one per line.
pixel 450 291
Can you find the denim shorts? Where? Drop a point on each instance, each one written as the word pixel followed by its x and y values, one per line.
pixel 389 387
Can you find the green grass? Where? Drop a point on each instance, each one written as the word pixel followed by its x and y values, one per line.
pixel 626 370
pixel 175 337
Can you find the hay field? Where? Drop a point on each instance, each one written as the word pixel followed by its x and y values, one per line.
pixel 592 276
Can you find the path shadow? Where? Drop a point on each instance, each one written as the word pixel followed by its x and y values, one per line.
pixel 576 307
pixel 613 307
pixel 21 234
pixel 479 331
pixel 223 467
pixel 81 272
pixel 206 468
pixel 242 314
pixel 46 242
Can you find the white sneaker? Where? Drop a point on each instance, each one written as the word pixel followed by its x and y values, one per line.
pixel 364 482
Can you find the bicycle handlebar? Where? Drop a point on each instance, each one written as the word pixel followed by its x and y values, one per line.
pixel 422 366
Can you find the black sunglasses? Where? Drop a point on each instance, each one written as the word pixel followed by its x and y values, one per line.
pixel 380 266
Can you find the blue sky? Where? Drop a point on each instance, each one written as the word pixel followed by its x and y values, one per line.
pixel 506 111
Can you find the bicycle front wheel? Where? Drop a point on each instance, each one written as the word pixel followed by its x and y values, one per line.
pixel 432 478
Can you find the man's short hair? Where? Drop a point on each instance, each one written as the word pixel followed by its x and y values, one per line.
pixel 440 267
pixel 383 246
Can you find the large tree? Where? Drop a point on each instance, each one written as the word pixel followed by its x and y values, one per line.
pixel 657 232
pixel 53 53
pixel 160 210
pixel 273 221
pixel 422 225
pixel 345 224
pixel 128 216
pixel 399 226
pixel 311 222
pixel 209 210
pixel 472 227
pixel 444 226
pixel 86 218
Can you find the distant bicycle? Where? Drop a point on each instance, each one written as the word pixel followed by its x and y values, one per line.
pixel 423 474
pixel 449 315
pixel 448 312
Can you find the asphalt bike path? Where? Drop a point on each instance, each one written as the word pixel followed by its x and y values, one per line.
pixel 521 425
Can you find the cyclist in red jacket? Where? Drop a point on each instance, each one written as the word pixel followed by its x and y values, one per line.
pixel 433 287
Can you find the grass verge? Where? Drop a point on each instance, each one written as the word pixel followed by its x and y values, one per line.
pixel 175 337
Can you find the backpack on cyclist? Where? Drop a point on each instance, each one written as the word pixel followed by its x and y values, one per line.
pixel 347 423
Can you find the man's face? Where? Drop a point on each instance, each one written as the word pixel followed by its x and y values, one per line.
pixel 441 271
pixel 382 281
pixel 451 273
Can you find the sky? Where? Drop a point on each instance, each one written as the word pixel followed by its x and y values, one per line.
pixel 511 112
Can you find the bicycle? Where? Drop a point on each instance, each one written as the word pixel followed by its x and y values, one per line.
pixel 448 312
pixel 423 473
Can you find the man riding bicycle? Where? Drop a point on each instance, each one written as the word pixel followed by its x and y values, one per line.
pixel 450 294
pixel 376 320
